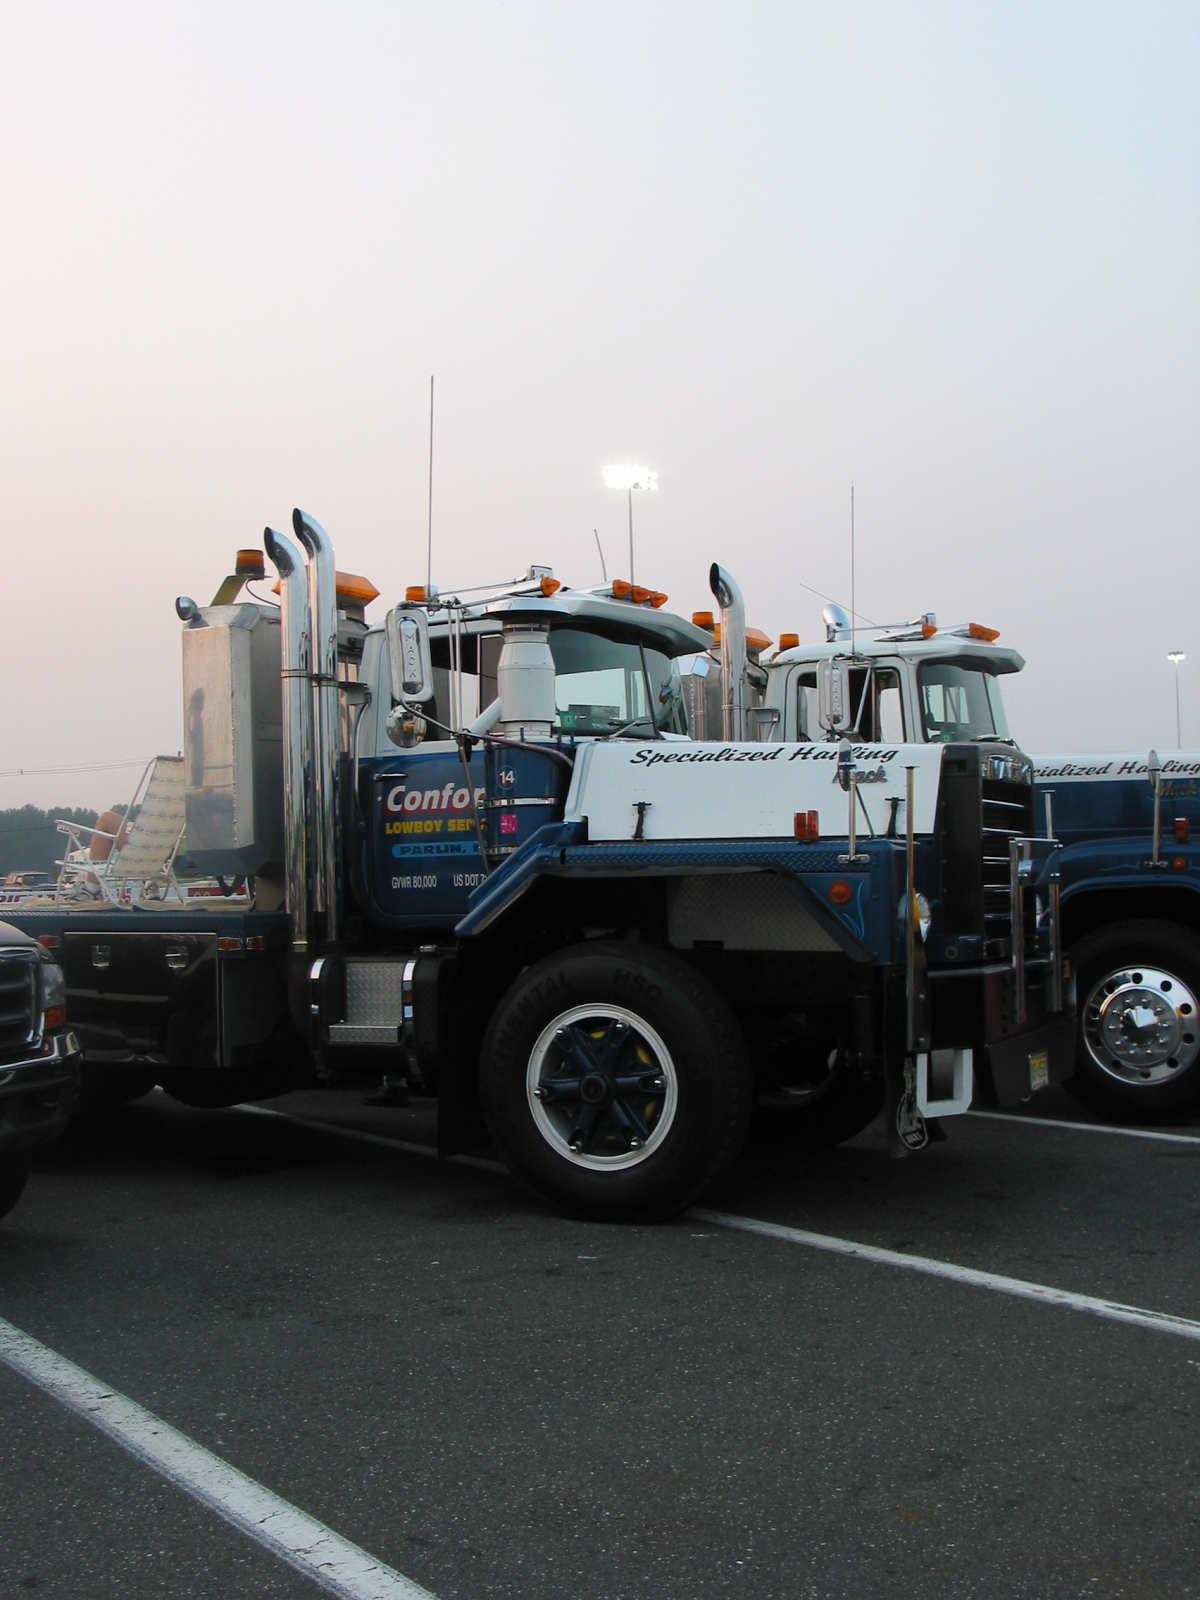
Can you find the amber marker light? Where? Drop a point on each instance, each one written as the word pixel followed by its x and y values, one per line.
pixel 840 892
pixel 703 619
pixel 789 641
pixel 1182 830
pixel 621 589
pixel 414 594
pixel 549 585
pixel 808 826
pixel 658 599
pixel 986 635
pixel 249 565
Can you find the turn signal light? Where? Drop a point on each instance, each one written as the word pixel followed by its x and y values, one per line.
pixel 49 941
pixel 549 585
pixel 227 944
pixel 621 590
pixel 808 826
pixel 249 565
pixel 789 641
pixel 1181 830
pixel 54 1017
pixel 988 635
pixel 703 619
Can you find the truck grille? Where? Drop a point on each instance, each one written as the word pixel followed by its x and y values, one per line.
pixel 1007 815
pixel 18 1001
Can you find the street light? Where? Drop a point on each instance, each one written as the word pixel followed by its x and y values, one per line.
pixel 624 475
pixel 1175 657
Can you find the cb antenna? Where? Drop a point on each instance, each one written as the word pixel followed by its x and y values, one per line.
pixel 852 611
pixel 429 542
pixel 599 546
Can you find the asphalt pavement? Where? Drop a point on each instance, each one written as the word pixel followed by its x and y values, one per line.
pixel 496 1401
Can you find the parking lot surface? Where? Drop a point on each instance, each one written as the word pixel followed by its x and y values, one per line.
pixel 493 1400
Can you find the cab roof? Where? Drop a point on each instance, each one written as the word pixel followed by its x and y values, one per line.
pixel 620 620
pixel 944 646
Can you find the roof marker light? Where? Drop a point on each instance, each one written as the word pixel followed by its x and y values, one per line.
pixel 621 589
pixel 703 619
pixel 638 595
pixel 549 585
pixel 658 599
pixel 789 641
pixel 988 635
pixel 249 565
pixel 928 629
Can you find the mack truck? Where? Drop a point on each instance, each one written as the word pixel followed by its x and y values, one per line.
pixel 1122 865
pixel 475 844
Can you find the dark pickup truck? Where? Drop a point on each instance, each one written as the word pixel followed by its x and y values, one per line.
pixel 39 1057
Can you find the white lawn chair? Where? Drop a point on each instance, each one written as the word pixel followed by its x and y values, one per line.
pixel 141 853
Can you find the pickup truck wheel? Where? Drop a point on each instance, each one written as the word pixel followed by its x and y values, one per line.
pixel 1138 1043
pixel 14 1170
pixel 616 1081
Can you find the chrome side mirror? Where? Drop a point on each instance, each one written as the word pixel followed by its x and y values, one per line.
pixel 410 661
pixel 833 696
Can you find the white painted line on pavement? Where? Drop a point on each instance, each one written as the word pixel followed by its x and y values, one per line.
pixel 1087 1127
pixel 1019 1288
pixel 307 1546
pixel 1111 1310
pixel 372 1138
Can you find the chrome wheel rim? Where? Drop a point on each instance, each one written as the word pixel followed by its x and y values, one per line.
pixel 602 1087
pixel 1141 1025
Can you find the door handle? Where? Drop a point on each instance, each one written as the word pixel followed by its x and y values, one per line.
pixel 101 956
pixel 177 957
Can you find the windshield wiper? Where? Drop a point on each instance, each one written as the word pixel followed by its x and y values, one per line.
pixel 625 727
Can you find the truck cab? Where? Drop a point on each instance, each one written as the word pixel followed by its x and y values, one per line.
pixel 913 683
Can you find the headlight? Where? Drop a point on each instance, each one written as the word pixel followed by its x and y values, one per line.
pixel 54 996
pixel 924 916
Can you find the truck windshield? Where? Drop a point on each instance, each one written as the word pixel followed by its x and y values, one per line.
pixel 960 703
pixel 601 687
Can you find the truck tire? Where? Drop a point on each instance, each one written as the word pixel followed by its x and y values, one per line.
pixel 1137 1053
pixel 14 1171
pixel 842 1108
pixel 616 1081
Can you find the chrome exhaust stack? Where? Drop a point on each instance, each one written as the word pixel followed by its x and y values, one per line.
pixel 296 671
pixel 326 813
pixel 733 652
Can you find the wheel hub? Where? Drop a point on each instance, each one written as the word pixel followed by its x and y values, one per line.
pixel 1141 1025
pixel 594 1089
pixel 602 1087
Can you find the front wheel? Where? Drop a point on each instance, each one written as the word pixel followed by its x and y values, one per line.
pixel 1138 1045
pixel 616 1081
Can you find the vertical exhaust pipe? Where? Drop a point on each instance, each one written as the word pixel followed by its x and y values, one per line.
pixel 296 670
pixel 326 813
pixel 733 652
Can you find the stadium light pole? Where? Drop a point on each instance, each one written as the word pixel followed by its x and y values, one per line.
pixel 625 475
pixel 1175 657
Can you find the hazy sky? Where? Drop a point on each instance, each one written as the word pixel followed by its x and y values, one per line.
pixel 949 253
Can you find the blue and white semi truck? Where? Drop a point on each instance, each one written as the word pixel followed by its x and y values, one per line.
pixel 485 852
pixel 1126 875
pixel 1130 895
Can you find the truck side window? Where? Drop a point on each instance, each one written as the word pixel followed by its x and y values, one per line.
pixel 807 726
pixel 890 713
